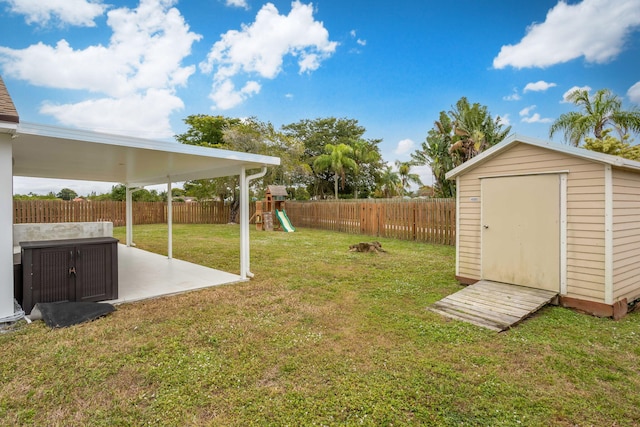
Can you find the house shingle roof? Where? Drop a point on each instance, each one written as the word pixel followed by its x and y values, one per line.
pixel 8 112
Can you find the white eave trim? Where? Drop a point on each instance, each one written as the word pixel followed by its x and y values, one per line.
pixel 8 127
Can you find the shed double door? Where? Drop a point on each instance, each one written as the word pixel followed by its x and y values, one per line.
pixel 520 229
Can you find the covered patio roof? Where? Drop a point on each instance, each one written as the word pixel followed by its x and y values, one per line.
pixel 45 151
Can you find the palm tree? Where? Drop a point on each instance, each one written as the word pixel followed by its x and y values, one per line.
pixel 435 153
pixel 602 111
pixel 364 153
pixel 456 137
pixel 338 160
pixel 389 183
pixel 474 130
pixel 406 177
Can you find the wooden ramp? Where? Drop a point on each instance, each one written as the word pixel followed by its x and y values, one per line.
pixel 493 305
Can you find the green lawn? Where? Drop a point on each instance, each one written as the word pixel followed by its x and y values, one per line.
pixel 320 336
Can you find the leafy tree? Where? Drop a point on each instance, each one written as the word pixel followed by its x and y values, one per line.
pixel 246 135
pixel 253 136
pixel 459 135
pixel 209 131
pixel 337 159
pixel 119 193
pixel 32 196
pixel 613 146
pixel 406 177
pixel 425 191
pixel 316 134
pixel 67 194
pixel 301 193
pixel 206 131
pixel 598 113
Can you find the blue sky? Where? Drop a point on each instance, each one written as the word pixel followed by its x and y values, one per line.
pixel 140 67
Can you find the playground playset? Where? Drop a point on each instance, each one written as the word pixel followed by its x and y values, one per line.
pixel 273 205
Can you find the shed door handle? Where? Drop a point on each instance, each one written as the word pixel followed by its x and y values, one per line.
pixel 485 226
pixel 72 270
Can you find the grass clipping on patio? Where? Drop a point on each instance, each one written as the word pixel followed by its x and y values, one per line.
pixel 320 336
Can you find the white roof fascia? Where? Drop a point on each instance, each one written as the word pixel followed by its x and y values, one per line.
pixel 561 148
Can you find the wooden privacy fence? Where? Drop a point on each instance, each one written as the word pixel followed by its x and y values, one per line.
pixel 431 220
pixel 48 211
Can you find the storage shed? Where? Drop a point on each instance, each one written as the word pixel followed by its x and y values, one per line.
pixel 551 216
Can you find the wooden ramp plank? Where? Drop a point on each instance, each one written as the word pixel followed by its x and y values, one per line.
pixel 469 319
pixel 493 305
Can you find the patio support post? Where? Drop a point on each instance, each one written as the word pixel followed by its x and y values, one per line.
pixel 6 225
pixel 169 221
pixel 244 226
pixel 245 271
pixel 129 216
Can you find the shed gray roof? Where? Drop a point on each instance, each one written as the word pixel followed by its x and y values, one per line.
pixel 8 112
pixel 561 148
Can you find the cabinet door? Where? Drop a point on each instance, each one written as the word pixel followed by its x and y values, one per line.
pixel 94 281
pixel 51 281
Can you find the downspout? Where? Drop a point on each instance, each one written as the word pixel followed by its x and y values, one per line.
pixel 244 220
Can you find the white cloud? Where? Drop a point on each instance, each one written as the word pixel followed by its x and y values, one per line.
pixel 72 12
pixel 527 117
pixel 593 29
pixel 634 93
pixel 425 174
pixel 404 146
pixel 573 89
pixel 225 95
pixel 527 110
pixel 536 118
pixel 539 86
pixel 504 120
pixel 137 72
pixel 145 114
pixel 238 3
pixel 359 41
pixel 513 97
pixel 259 49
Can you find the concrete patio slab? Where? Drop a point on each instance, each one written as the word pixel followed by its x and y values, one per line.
pixel 143 275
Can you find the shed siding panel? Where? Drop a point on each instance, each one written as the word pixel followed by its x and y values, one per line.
pixel 585 214
pixel 626 235
pixel 469 228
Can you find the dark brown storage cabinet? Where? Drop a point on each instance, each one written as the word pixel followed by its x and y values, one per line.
pixel 69 270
